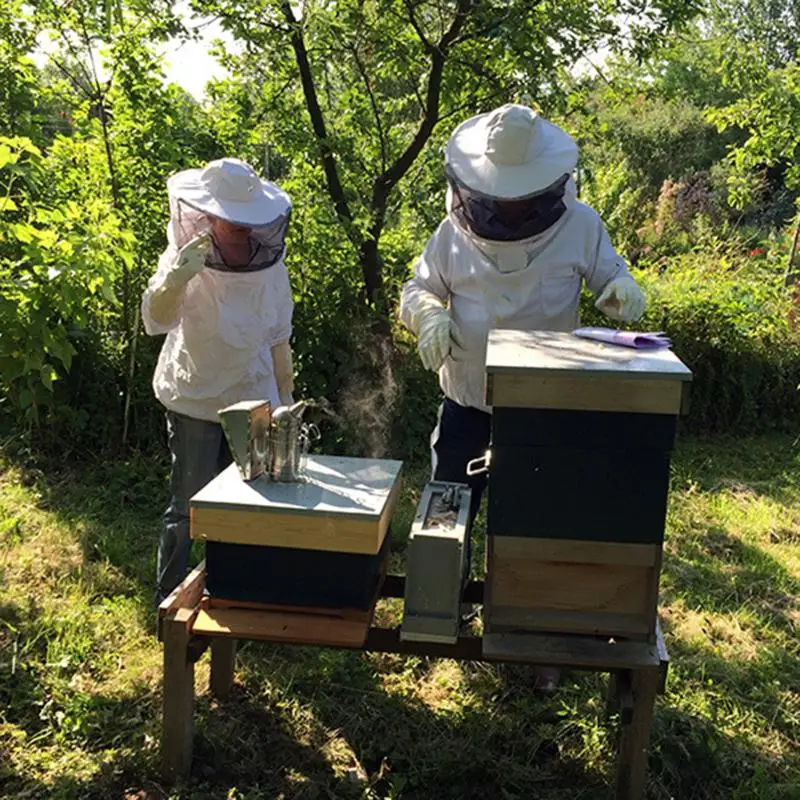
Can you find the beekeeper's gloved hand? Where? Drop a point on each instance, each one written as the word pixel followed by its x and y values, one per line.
pixel 166 299
pixel 190 260
pixel 437 331
pixel 622 299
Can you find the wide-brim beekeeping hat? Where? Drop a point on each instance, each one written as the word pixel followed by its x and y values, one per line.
pixel 509 153
pixel 231 190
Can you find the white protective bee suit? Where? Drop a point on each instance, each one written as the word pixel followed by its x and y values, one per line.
pixel 224 324
pixel 227 328
pixel 531 282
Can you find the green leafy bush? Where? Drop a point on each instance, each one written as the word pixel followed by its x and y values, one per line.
pixel 731 322
pixel 56 271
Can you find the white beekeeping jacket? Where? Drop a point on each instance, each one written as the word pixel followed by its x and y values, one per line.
pixel 218 350
pixel 534 284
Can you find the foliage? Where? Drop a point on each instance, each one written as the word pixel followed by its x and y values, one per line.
pixel 370 190
pixel 56 266
pixel 376 81
pixel 768 108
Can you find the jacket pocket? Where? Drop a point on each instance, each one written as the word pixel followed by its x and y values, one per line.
pixel 560 293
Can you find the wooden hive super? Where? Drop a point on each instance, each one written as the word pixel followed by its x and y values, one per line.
pixel 582 434
pixel 320 544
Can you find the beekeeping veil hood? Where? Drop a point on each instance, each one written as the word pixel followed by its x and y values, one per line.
pixel 508 171
pixel 231 190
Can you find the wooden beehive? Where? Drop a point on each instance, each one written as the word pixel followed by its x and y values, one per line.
pixel 319 544
pixel 582 435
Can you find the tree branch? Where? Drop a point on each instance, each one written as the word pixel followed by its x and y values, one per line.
pixel 374 104
pixel 389 178
pixel 80 64
pixel 318 124
pixel 416 26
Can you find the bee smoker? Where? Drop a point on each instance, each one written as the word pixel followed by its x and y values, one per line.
pixel 265 442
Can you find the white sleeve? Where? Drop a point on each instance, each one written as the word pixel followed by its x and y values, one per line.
pixel 156 282
pixel 281 330
pixel 430 285
pixel 604 263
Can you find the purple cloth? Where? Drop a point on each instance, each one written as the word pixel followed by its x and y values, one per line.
pixel 639 340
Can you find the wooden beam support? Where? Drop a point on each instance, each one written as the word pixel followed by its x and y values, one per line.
pixel 635 733
pixel 223 666
pixel 185 595
pixel 178 696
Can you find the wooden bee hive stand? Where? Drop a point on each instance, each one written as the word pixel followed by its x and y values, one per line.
pixel 637 669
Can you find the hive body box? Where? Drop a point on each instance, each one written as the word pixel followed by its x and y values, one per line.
pixel 321 543
pixel 582 434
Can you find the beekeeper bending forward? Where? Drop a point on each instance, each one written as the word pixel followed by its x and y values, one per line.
pixel 512 252
pixel 222 296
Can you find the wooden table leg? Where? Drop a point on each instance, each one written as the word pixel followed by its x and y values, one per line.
pixel 612 695
pixel 635 734
pixel 178 701
pixel 223 664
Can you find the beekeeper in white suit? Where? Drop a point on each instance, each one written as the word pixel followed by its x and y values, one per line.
pixel 512 252
pixel 222 296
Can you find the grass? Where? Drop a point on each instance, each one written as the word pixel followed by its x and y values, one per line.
pixel 80 666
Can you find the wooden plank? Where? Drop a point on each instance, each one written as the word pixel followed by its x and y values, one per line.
pixel 223 666
pixel 341 505
pixel 623 395
pixel 508 618
pixel 177 697
pixel 559 586
pixel 635 735
pixel 280 627
pixel 320 532
pixel 352 614
pixel 186 595
pixel 576 551
pixel 651 604
pixel 562 353
pixel 580 652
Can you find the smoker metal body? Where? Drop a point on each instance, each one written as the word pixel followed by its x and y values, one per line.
pixel 267 442
pixel 436 564
pixel 247 429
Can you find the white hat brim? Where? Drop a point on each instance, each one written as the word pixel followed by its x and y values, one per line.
pixel 556 155
pixel 261 209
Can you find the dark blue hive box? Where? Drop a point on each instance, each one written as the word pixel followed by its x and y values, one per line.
pixel 582 435
pixel 321 543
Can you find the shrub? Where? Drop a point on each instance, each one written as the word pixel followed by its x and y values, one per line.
pixel 730 321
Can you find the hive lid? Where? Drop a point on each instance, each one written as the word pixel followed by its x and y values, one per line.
pixel 332 486
pixel 566 355
pixel 561 371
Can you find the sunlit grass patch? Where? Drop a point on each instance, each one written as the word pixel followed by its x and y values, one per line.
pixel 80 668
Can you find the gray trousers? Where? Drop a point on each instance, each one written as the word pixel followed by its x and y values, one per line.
pixel 199 452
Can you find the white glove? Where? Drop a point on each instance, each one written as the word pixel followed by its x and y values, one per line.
pixel 436 331
pixel 165 300
pixel 191 260
pixel 622 299
pixel 284 372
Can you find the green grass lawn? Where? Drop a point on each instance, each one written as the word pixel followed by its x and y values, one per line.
pixel 80 666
